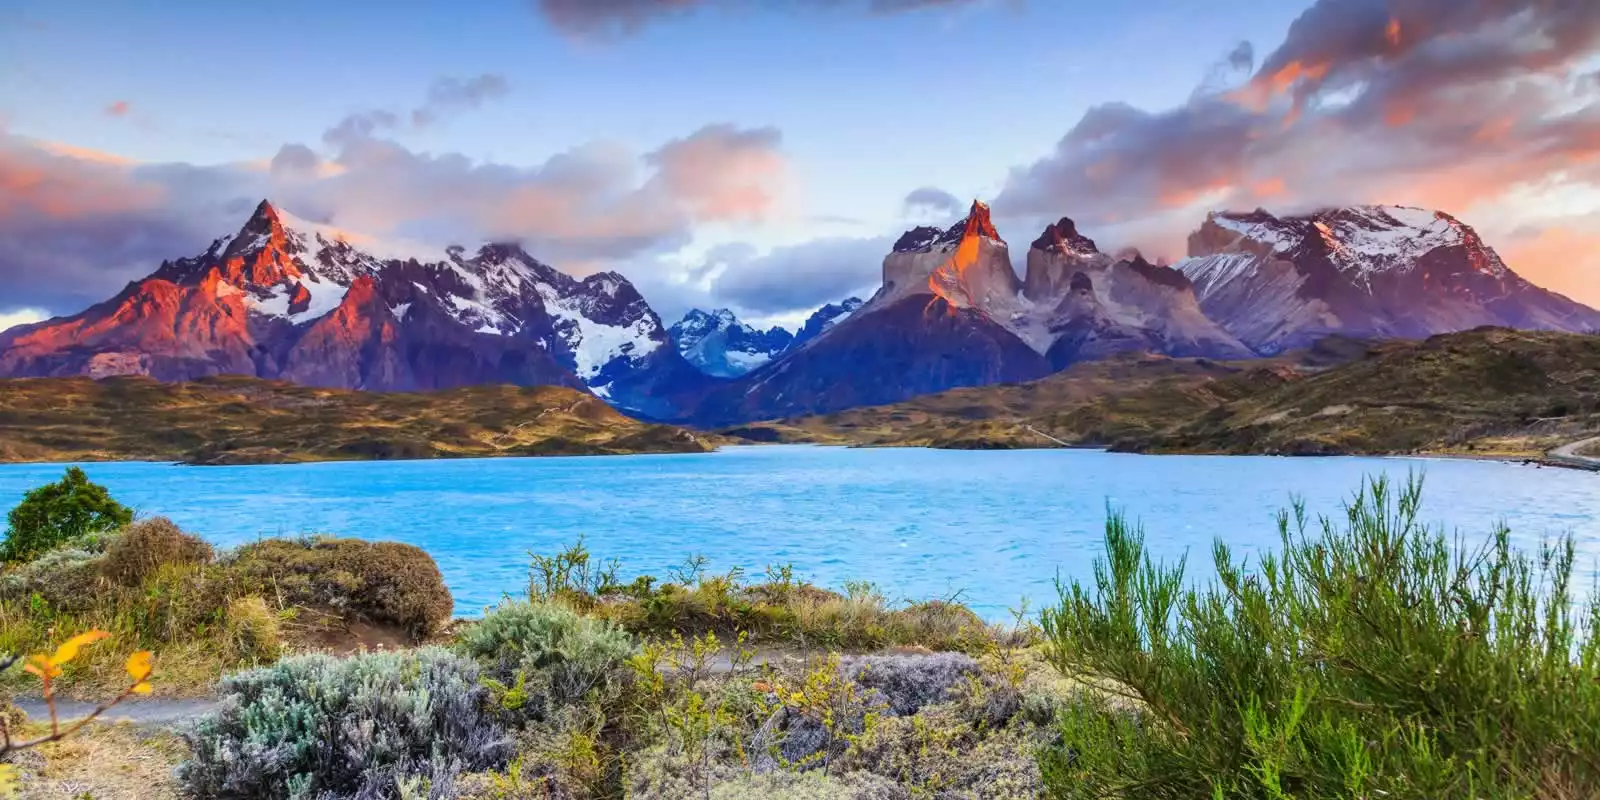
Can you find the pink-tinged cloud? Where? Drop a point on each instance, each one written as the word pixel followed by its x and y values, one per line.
pixel 119 108
pixel 76 224
pixel 1560 257
pixel 1447 104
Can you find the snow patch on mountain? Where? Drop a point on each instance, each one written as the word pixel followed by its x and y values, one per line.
pixel 595 345
pixel 325 297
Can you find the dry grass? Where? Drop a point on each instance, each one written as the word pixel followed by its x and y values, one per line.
pixel 246 420
pixel 105 762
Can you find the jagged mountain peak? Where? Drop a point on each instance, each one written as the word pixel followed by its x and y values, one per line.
pixel 1280 282
pixel 1364 239
pixel 718 343
pixel 923 238
pixel 1063 237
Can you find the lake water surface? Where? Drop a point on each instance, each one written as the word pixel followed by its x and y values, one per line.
pixel 994 526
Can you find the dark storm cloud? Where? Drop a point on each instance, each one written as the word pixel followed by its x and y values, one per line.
pixel 622 17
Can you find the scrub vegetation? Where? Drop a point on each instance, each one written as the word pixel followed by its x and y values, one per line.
pixel 1371 656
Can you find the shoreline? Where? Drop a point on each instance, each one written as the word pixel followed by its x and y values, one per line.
pixel 1563 457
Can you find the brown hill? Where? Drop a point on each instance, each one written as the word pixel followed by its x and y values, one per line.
pixel 1489 391
pixel 232 420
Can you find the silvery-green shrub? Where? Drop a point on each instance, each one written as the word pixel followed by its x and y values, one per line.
pixel 378 726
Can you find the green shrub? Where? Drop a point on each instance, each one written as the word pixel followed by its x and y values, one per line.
pixel 64 581
pixel 58 512
pixel 386 582
pixel 1370 658
pixel 145 546
pixel 525 637
pixel 361 727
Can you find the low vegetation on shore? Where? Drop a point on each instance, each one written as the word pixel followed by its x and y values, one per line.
pixel 1489 392
pixel 1371 657
pixel 235 420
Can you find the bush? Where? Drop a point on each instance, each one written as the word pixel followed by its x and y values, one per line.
pixel 145 546
pixel 252 630
pixel 59 512
pixel 1374 658
pixel 524 637
pixel 65 581
pixel 903 684
pixel 939 753
pixel 321 727
pixel 386 582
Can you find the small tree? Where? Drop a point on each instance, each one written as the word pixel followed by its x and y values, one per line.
pixel 57 512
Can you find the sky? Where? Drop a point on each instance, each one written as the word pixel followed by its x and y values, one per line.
pixel 763 156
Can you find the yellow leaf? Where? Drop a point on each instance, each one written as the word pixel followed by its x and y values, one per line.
pixel 39 664
pixel 69 649
pixel 139 665
pixel 8 780
pixel 141 688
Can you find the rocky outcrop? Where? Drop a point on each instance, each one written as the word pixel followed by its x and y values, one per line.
pixel 1093 306
pixel 968 265
pixel 1368 271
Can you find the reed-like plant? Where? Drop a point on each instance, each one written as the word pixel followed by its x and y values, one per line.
pixel 1373 657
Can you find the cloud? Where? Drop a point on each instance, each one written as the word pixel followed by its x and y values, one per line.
pixel 1560 256
pixel 21 316
pixel 796 278
pixel 120 108
pixel 931 201
pixel 454 94
pixel 445 96
pixel 605 18
pixel 76 225
pixel 1448 104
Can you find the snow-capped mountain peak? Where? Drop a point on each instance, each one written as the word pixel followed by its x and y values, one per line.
pixel 719 344
pixel 1376 270
pixel 289 276
pixel 1362 240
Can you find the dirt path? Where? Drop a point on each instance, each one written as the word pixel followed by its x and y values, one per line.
pixel 1567 455
pixel 155 711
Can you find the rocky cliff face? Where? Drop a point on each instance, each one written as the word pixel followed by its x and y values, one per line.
pixel 1093 306
pixel 719 345
pixel 1370 271
pixel 285 298
pixel 968 265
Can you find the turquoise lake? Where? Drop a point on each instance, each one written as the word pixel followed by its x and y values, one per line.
pixel 994 527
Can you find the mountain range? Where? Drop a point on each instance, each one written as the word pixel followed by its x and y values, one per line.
pixel 288 299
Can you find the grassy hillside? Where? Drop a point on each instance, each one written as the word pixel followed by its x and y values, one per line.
pixel 1491 391
pixel 1488 392
pixel 244 420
